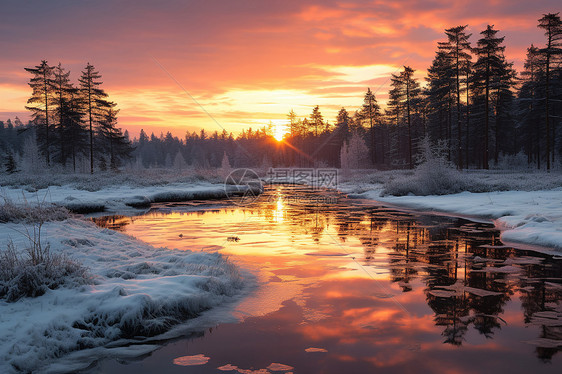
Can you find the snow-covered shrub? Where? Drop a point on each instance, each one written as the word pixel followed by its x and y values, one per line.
pixel 30 213
pixel 355 154
pixel 434 175
pixel 179 162
pixel 35 272
pixel 225 168
pixel 518 161
pixel 32 162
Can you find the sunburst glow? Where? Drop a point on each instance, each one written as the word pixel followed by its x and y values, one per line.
pixel 280 130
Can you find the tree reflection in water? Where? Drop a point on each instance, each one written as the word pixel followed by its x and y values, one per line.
pixel 467 273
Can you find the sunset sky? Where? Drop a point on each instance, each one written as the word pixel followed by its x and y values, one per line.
pixel 245 62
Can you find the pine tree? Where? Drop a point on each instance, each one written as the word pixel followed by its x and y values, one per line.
pixel 531 109
pixel 63 93
pixel 343 127
pixel 440 83
pixel 467 71
pixel 10 164
pixel 293 123
pixel 94 103
pixel 116 143
pixel 405 93
pixel 458 50
pixel 40 104
pixel 369 114
pixel 316 120
pixel 552 26
pixel 490 62
pixel 75 131
pixel 503 84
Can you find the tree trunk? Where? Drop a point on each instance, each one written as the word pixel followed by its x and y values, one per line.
pixel 487 115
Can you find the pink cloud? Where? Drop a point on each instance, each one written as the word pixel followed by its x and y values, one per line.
pixel 216 47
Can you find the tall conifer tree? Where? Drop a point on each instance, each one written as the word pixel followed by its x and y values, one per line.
pixel 95 103
pixel 40 104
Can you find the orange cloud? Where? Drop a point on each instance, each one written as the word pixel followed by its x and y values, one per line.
pixel 243 61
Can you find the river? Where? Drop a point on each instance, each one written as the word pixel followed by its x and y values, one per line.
pixel 352 286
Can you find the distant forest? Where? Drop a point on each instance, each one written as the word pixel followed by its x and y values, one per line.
pixel 473 101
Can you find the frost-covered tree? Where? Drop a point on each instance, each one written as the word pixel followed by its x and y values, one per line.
pixel 225 168
pixel 179 161
pixel 32 162
pixel 168 161
pixel 355 154
pixel 10 164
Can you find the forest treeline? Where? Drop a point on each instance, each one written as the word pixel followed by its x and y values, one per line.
pixel 70 124
pixel 473 100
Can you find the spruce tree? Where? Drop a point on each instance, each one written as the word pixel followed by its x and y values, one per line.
pixel 75 131
pixel 369 115
pixel 63 92
pixel 552 26
pixel 489 51
pixel 405 93
pixel 316 120
pixel 530 108
pixel 40 104
pixel 116 144
pixel 503 83
pixel 95 103
pixel 10 163
pixel 438 91
pixel 457 49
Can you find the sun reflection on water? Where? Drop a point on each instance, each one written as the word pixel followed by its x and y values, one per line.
pixel 373 287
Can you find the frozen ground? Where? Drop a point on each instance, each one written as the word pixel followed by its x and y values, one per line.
pixel 115 198
pixel 526 206
pixel 135 291
pixel 139 291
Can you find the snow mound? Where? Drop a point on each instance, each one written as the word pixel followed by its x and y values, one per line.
pixel 116 198
pixel 136 291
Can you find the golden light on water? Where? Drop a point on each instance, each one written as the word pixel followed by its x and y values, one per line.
pixel 337 275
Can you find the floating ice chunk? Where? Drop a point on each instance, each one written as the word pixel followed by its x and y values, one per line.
pixel 279 367
pixel 442 293
pixel 325 254
pixel 501 269
pixel 314 350
pixel 191 360
pixel 481 292
pixel 228 367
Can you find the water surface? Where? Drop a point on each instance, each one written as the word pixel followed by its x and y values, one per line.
pixel 349 286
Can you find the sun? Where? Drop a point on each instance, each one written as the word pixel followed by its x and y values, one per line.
pixel 279 131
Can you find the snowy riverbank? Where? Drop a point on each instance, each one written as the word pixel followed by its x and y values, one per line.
pixel 133 291
pixel 524 217
pixel 113 199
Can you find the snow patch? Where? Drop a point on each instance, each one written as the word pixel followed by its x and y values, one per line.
pixel 136 291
